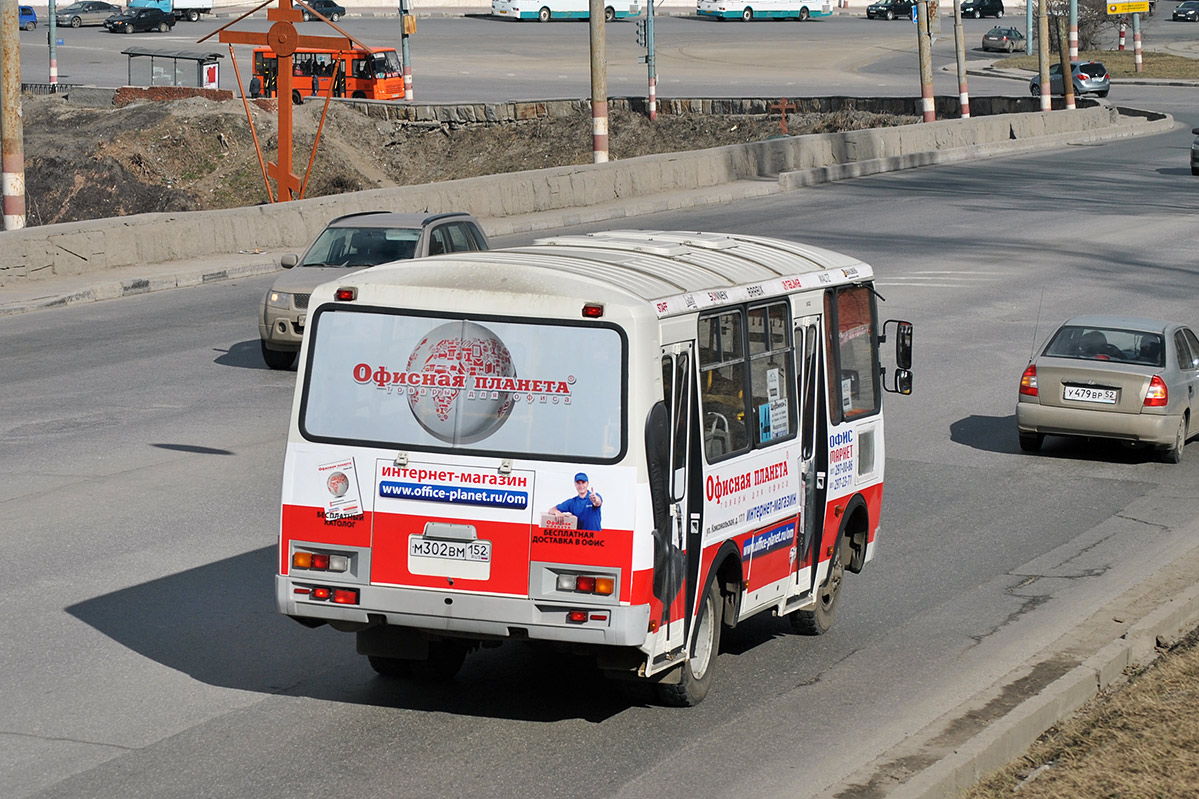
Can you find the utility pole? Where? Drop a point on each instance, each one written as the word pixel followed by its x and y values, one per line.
pixel 1028 27
pixel 645 38
pixel 52 38
pixel 1043 57
pixel 12 131
pixel 959 38
pixel 1073 30
pixel 599 83
pixel 926 62
pixel 407 26
pixel 1067 82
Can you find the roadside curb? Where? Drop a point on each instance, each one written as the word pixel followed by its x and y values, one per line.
pixel 1009 738
pixel 178 276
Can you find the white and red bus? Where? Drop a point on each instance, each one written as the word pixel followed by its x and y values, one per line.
pixel 623 442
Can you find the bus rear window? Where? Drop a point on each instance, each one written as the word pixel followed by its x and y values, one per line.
pixel 401 380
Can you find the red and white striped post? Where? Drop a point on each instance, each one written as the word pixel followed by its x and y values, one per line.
pixel 1136 41
pixel 1123 25
pixel 960 51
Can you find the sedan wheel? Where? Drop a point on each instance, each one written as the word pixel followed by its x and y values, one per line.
pixel 999 14
pixel 978 15
pixel 162 27
pixel 1173 453
pixel 890 15
pixel 129 29
pixel 1031 442
pixel 334 17
pixel 76 22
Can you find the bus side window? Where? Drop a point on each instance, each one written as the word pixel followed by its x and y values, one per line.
pixel 770 366
pixel 722 384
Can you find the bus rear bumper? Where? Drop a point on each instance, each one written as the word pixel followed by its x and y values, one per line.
pixel 468 615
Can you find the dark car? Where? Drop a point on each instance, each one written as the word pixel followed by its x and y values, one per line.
pixel 982 8
pixel 139 20
pixel 890 9
pixel 348 244
pixel 1090 77
pixel 327 8
pixel 1005 39
pixel 1195 152
pixel 27 17
pixel 1187 12
pixel 88 12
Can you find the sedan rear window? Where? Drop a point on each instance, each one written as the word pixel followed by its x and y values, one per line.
pixel 1108 344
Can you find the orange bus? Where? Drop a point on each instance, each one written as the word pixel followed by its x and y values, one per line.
pixel 372 75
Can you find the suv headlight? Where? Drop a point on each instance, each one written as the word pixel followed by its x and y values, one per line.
pixel 278 299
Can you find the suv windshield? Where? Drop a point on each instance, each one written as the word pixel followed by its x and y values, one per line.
pixel 357 247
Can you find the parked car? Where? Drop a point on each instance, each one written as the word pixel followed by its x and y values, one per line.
pixel 982 8
pixel 139 20
pixel 1113 377
pixel 1006 39
pixel 27 18
pixel 1090 77
pixel 348 244
pixel 890 9
pixel 328 8
pixel 89 12
pixel 1186 12
pixel 1195 152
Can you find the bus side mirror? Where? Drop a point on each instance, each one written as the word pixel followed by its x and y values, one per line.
pixel 902 382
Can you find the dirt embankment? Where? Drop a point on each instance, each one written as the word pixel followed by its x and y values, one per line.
pixel 195 153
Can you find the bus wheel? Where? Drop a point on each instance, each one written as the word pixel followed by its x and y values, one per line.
pixel 444 661
pixel 359 95
pixel 390 667
pixel 543 15
pixel 296 97
pixel 697 671
pixel 609 14
pixel 818 620
pixel 803 14
pixel 747 15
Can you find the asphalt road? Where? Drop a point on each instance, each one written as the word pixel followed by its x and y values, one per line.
pixel 480 58
pixel 141 469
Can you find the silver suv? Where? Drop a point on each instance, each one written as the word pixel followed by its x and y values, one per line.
pixel 348 244
pixel 1089 77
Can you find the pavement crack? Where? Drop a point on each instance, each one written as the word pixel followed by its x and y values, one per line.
pixel 1156 525
pixel 63 739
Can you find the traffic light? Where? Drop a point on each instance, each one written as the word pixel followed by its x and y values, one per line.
pixel 641 32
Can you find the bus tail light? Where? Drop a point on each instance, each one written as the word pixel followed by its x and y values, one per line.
pixel 587 584
pixel 324 593
pixel 345 596
pixel 320 561
pixel 576 616
pixel 1158 396
pixel 1028 381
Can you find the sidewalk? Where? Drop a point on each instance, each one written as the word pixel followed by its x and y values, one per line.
pixel 60 292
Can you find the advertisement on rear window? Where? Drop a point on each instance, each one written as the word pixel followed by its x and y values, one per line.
pixel 486 385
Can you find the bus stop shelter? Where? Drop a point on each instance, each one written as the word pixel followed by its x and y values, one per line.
pixel 151 67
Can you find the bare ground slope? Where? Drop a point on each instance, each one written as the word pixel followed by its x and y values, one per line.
pixel 192 154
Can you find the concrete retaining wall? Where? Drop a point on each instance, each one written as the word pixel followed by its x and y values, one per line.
pixel 82 247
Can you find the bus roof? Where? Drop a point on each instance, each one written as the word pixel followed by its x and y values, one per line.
pixel 673 272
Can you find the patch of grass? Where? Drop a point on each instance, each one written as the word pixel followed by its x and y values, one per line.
pixel 1120 64
pixel 1138 742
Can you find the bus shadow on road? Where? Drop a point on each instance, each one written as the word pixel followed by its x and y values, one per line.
pixel 218 624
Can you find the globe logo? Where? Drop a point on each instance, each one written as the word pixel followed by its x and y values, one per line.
pixel 338 484
pixel 463 349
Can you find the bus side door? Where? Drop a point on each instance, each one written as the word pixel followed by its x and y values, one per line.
pixel 681 536
pixel 813 466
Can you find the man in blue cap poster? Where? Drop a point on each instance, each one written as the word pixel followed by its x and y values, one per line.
pixel 585 507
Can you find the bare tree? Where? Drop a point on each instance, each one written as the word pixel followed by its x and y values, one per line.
pixel 1093 23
